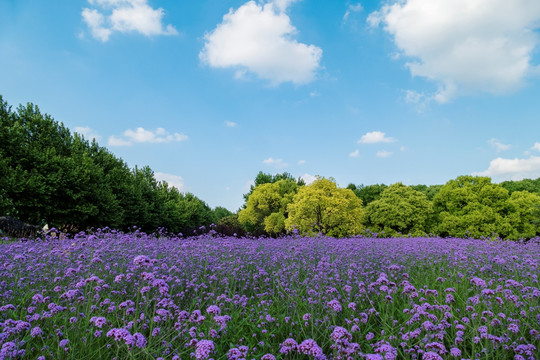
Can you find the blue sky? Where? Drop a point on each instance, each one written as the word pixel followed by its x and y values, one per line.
pixel 208 93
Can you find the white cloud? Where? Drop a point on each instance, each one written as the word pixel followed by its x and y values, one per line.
pixel 498 145
pixel 352 8
pixel 117 141
pixel 355 153
pixel 230 124
pixel 375 137
pixel 512 169
pixel 536 146
pixel 96 22
pixel 413 97
pixel 464 46
pixel 419 99
pixel 124 16
pixel 282 5
pixel 141 135
pixel 308 179
pixel 277 163
pixel 383 154
pixel 87 132
pixel 301 162
pixel 172 180
pixel 258 38
pixel 160 135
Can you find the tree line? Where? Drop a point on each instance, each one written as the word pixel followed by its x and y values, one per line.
pixel 468 206
pixel 49 175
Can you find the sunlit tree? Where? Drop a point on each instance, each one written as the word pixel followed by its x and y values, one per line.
pixel 322 207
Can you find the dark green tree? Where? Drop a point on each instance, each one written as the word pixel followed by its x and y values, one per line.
pixel 530 185
pixel 221 212
pixel 367 193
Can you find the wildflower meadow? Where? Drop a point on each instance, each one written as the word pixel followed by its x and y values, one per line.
pixel 114 295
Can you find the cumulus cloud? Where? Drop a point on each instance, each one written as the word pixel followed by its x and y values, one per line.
pixel 375 137
pixel 118 141
pixel 141 135
pixel 464 46
pixel 498 145
pixel 124 16
pixel 230 124
pixel 259 39
pixel 383 154
pixel 501 169
pixel 87 132
pixel 536 146
pixel 277 163
pixel 308 179
pixel 301 162
pixel 171 180
pixel 355 153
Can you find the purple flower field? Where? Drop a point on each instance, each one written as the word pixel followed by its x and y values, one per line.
pixel 135 296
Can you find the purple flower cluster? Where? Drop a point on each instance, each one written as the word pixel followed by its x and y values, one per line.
pixel 130 295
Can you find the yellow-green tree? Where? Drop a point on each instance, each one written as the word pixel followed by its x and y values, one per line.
pixel 523 206
pixel 401 209
pixel 323 207
pixel 266 207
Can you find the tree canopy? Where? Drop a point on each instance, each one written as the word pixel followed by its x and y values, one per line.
pixel 266 208
pixel 472 206
pixel 401 209
pixel 48 175
pixel 264 178
pixel 325 208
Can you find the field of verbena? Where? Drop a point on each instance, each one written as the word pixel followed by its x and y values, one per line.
pixel 133 296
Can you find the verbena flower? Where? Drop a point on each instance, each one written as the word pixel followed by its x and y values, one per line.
pixel 203 349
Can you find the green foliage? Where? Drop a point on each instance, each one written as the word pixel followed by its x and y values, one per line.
pixel 430 191
pixel 368 193
pixel 472 206
pixel 523 214
pixel 401 209
pixel 197 213
pixel 182 213
pixel 536 217
pixel 323 207
pixel 263 178
pixel 529 185
pixel 48 175
pixel 265 200
pixel 274 224
pixel 221 212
